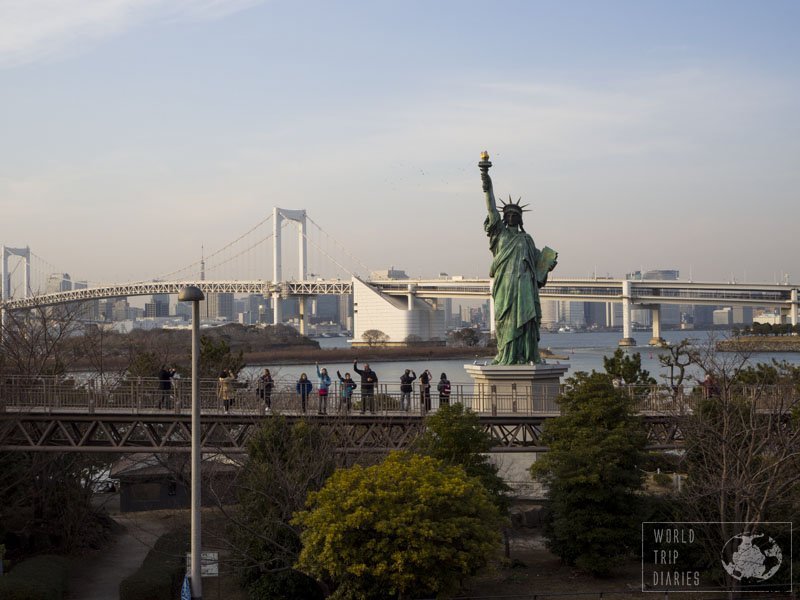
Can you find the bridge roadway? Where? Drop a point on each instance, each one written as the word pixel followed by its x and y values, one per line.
pixel 649 294
pixel 644 292
pixel 59 416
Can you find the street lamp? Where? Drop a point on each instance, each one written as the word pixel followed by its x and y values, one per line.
pixel 193 294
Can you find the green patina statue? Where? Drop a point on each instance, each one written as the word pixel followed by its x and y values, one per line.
pixel 519 269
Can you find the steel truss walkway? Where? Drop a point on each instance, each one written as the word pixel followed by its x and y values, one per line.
pixel 228 433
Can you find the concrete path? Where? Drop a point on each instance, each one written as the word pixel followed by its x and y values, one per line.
pixel 97 577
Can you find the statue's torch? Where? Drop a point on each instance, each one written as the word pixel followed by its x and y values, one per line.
pixel 484 165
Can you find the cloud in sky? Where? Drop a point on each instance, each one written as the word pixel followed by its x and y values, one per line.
pixel 32 30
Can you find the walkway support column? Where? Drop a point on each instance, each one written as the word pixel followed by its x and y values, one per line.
pixel 655 313
pixel 627 339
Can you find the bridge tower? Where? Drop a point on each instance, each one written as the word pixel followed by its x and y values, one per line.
pixel 298 216
pixel 6 284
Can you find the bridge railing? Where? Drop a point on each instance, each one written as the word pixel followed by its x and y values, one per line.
pixel 147 395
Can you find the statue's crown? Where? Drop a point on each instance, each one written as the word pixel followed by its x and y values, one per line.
pixel 512 206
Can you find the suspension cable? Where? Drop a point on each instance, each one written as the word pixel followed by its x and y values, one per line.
pixel 346 251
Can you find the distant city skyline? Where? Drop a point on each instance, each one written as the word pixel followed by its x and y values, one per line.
pixel 645 136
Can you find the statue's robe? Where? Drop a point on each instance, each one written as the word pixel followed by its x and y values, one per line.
pixel 519 269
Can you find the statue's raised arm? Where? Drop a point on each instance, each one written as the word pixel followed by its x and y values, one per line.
pixel 488 190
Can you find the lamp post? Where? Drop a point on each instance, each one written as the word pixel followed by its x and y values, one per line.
pixel 193 294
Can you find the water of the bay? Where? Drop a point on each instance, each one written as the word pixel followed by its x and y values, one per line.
pixel 584 352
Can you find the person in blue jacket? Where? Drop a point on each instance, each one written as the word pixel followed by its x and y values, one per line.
pixel 304 387
pixel 322 389
pixel 348 385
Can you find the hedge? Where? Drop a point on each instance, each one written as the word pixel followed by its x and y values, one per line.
pixel 39 578
pixel 162 570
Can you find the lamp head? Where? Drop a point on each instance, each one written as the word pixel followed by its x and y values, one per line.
pixel 190 293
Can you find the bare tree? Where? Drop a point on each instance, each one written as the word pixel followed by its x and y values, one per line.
pixel 742 445
pixel 33 341
pixel 374 337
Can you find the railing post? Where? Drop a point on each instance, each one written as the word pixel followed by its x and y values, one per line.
pixel 514 397
pixel 493 393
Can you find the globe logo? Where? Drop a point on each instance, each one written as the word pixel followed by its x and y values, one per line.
pixel 755 556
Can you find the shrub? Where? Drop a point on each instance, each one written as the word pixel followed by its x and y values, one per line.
pixel 38 578
pixel 162 570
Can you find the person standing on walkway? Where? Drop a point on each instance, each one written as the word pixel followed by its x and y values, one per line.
pixel 444 390
pixel 322 389
pixel 368 381
pixel 164 385
pixel 346 393
pixel 406 389
pixel 425 389
pixel 265 385
pixel 303 387
pixel 225 389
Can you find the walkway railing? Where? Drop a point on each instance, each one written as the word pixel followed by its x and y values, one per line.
pixel 147 395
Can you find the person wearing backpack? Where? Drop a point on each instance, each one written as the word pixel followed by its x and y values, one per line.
pixel 444 390
pixel 406 389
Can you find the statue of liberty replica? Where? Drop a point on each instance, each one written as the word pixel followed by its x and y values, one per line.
pixel 519 269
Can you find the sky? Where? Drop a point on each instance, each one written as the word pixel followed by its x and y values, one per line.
pixel 138 134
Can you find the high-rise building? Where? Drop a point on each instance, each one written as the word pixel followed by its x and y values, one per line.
pixel 573 313
pixel 743 315
pixel 158 307
pixel 595 313
pixel 550 314
pixel 220 306
pixel 120 311
pixel 58 282
pixel 89 310
pixel 723 317
pixel 325 308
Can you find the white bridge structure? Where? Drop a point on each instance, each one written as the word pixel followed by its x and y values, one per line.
pixel 407 307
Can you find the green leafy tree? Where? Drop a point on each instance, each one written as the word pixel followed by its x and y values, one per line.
pixel 216 356
pixel 144 364
pixel 454 435
pixel 286 461
pixel 592 475
pixel 410 525
pixel 627 367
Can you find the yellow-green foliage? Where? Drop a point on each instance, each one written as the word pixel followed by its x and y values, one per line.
pixel 410 525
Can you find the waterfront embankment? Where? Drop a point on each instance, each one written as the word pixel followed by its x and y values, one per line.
pixel 760 343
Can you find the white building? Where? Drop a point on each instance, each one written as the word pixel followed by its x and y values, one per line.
pixel 397 316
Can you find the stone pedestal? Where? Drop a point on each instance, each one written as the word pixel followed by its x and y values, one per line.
pixel 627 341
pixel 508 389
pixel 658 342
